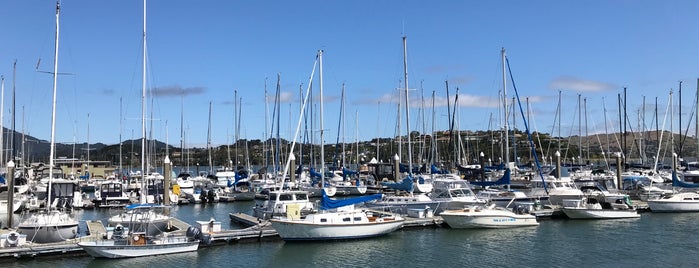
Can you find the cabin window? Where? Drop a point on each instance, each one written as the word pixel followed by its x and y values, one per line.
pixel 301 197
pixel 357 218
pixel 323 220
pixel 346 219
pixel 285 197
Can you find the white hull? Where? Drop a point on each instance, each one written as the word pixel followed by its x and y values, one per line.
pixel 585 213
pixel 107 248
pixel 679 202
pixel 660 205
pixel 54 226
pixel 487 218
pixel 309 229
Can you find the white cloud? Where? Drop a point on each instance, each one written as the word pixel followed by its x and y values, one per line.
pixel 580 85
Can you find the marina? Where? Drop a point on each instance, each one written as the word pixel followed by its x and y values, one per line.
pixel 572 240
pixel 453 179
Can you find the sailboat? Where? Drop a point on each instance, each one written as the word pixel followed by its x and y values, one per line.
pixel 154 219
pixel 678 202
pixel 344 222
pixel 51 225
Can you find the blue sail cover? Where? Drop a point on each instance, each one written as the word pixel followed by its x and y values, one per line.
pixel 435 170
pixel 347 172
pixel 504 180
pixel 2 179
pixel 314 174
pixel 677 183
pixel 405 185
pixel 327 203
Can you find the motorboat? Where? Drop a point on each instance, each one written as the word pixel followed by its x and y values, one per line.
pixel 487 216
pixel 280 201
pixel 147 218
pixel 124 243
pixel 597 207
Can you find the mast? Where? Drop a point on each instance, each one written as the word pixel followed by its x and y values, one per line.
pixel 53 108
pixel 208 143
pixel 322 145
pixel 342 117
pixel 433 140
pixel 2 124
pixel 266 127
pixel 143 111
pixel 504 103
pixel 14 80
pixel 407 108
pixel 121 164
pixel 181 131
pixel 579 129
pixel 696 119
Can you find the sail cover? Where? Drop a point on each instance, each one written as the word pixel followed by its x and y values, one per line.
pixel 504 180
pixel 327 203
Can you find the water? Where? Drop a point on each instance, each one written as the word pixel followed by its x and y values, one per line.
pixel 653 240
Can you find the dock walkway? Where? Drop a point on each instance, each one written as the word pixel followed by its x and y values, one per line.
pixel 255 230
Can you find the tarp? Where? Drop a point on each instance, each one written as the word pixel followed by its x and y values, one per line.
pixel 405 185
pixel 505 179
pixel 327 203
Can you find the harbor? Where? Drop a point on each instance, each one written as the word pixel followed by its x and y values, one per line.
pixel 573 241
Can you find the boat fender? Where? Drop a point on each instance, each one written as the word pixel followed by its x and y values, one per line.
pixel 135 238
pixel 12 239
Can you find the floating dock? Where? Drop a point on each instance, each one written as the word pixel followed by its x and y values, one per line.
pixel 255 230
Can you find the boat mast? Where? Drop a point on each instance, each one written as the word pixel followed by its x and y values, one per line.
pixel 53 108
pixel 208 142
pixel 407 107
pixel 143 111
pixel 2 125
pixel 506 116
pixel 322 145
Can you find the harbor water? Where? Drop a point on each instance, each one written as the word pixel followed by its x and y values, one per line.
pixel 654 240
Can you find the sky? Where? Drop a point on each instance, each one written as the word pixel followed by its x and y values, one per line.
pixel 201 52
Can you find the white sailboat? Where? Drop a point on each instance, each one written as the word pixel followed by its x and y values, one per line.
pixel 128 217
pixel 52 225
pixel 678 202
pixel 344 222
pixel 139 231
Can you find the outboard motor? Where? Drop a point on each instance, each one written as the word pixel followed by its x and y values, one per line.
pixel 193 232
pixel 212 195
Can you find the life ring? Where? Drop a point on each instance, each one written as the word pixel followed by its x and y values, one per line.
pixel 12 238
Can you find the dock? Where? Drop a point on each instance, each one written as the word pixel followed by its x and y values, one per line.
pixel 255 230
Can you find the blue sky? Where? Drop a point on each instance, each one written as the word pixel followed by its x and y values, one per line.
pixel 201 51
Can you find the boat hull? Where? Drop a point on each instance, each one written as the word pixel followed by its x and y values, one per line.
pixel 108 249
pixel 584 213
pixel 49 234
pixel 299 231
pixel 487 219
pixel 660 205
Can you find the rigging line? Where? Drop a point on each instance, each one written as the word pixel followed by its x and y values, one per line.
pixel 526 126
